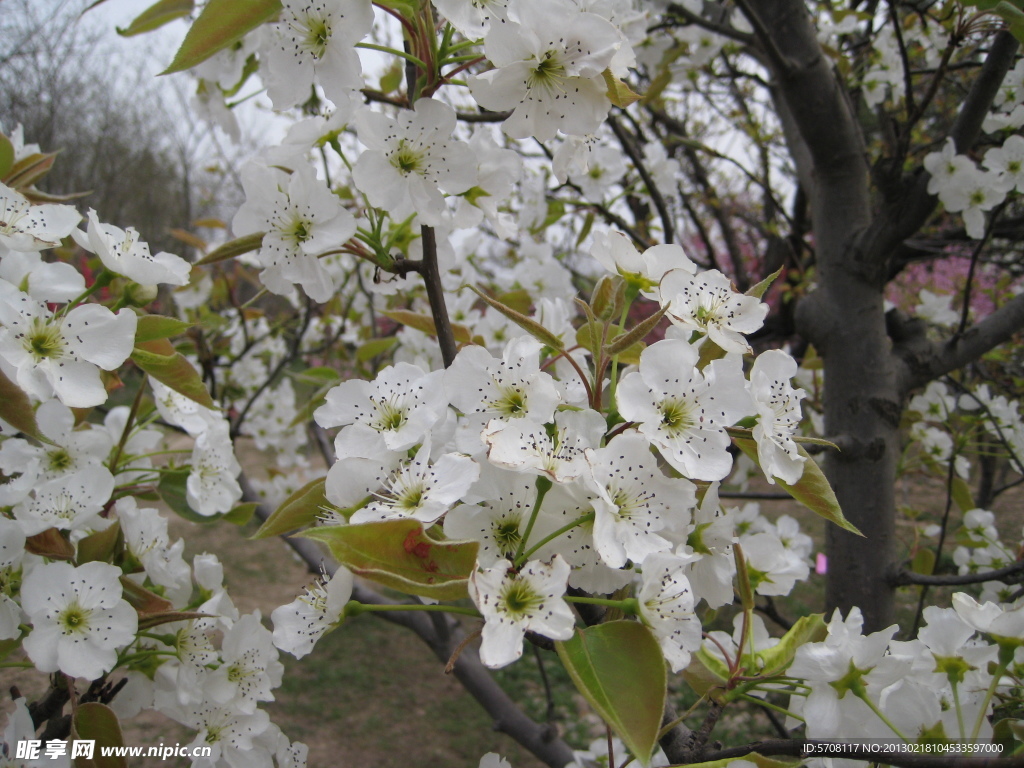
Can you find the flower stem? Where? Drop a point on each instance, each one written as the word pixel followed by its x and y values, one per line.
pixel 354 608
pixel 568 527
pixel 543 486
pixel 383 48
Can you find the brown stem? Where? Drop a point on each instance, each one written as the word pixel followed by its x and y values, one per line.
pixel 435 295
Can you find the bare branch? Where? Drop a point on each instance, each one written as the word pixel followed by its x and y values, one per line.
pixel 929 361
pixel 1015 572
pixel 629 145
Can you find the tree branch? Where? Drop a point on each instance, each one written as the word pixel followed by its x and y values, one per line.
pixel 937 359
pixel 907 578
pixel 804 747
pixel 541 739
pixel 638 161
pixel 435 295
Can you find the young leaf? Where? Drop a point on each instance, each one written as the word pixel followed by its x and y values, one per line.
pixel 619 669
pixel 619 94
pixel 153 327
pixel 222 23
pixel 528 324
pixel 16 408
pixel 399 554
pixel 28 170
pixel 425 323
pixel 98 723
pixel 158 14
pixel 100 545
pixel 6 155
pixel 812 489
pixel 297 511
pixel 233 248
pixel 807 629
pixel 160 360
pixel 759 290
pixel 636 334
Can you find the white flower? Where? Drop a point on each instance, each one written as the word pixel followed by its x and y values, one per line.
pixel 680 411
pixel 27 227
pixel 301 219
pixel 315 40
pixel 473 19
pixel 1008 162
pixel 78 618
pixel 299 624
pixel 400 406
pixel 549 61
pixel 250 669
pixel 211 486
pixel 666 606
pixel 513 603
pixel 707 304
pixel 411 159
pixel 526 446
pixel 420 489
pixel 12 549
pixel 122 252
pixel 44 281
pixel 61 354
pixel 778 408
pixel 69 502
pixel 634 500
pixel 146 537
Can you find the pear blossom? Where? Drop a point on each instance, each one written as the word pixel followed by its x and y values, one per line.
pixel 70 502
pixel 549 61
pixel 667 607
pixel 400 406
pixel 250 669
pixel 526 446
pixel 301 623
pixel 1008 162
pixel 634 500
pixel 411 159
pixel 420 489
pixel 707 304
pixel 27 227
pixel 61 355
pixel 513 603
pixel 122 252
pixel 12 549
pixel 473 19
pixel 679 410
pixel 211 487
pixel 314 40
pixel 778 408
pixel 78 617
pixel 45 282
pixel 147 539
pixel 300 219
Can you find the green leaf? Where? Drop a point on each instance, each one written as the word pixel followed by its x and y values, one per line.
pixel 6 156
pixel 636 334
pixel 519 299
pixel 158 14
pixel 100 546
pixel 807 629
pixel 98 722
pixel 29 170
pixel 399 554
pixel 160 360
pixel 812 489
pixel 619 669
pixel 374 347
pixel 962 496
pixel 619 94
pixel 759 760
pixel 425 323
pixel 153 327
pixel 528 324
pixel 233 248
pixel 628 356
pixel 707 675
pixel 392 78
pixel 297 511
pixel 923 562
pixel 1014 18
pixel 759 290
pixel 16 408
pixel 241 514
pixel 221 24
